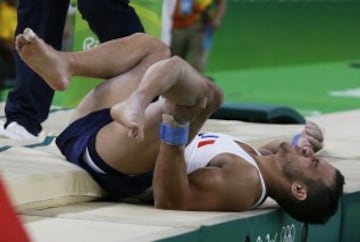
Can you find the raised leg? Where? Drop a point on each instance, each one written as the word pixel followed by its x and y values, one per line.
pixel 187 93
pixel 104 61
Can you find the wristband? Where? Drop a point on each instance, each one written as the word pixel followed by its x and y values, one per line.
pixel 174 135
pixel 295 140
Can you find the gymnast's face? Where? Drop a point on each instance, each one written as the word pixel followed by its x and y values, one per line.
pixel 299 164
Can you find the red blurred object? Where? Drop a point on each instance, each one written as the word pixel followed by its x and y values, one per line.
pixel 11 229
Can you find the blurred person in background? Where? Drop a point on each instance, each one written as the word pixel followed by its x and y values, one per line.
pixel 193 24
pixel 7 30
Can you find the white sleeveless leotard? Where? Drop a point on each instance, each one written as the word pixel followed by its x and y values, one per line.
pixel 206 146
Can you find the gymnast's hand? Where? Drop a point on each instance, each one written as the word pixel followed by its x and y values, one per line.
pixel 311 137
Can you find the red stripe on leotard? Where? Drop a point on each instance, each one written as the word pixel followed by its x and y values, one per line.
pixel 205 142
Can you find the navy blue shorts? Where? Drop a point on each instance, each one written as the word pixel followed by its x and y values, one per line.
pixel 80 135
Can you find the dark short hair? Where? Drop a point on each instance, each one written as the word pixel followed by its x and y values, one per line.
pixel 320 204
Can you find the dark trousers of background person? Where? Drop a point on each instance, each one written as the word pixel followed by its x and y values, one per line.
pixel 29 102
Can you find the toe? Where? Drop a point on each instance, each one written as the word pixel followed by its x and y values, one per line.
pixel 29 35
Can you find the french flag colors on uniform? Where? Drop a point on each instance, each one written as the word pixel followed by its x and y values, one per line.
pixel 11 229
pixel 207 139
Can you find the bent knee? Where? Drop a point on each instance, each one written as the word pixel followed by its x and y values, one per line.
pixel 153 46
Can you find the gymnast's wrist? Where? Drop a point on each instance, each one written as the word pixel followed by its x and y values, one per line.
pixel 172 132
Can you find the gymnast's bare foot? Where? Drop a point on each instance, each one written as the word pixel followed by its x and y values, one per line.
pixel 43 59
pixel 130 113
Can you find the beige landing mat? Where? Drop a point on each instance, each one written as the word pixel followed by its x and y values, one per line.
pixel 341 131
pixel 100 221
pixel 58 200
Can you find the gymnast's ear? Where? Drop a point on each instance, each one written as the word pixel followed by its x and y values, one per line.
pixel 299 190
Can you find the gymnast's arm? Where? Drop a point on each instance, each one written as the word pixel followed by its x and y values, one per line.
pixel 209 188
pixel 310 137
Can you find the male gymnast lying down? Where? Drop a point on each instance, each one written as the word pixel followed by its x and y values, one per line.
pixel 128 142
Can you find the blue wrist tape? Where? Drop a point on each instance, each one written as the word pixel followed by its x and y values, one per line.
pixel 295 140
pixel 174 135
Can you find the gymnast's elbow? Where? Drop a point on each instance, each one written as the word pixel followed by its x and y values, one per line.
pixel 169 204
